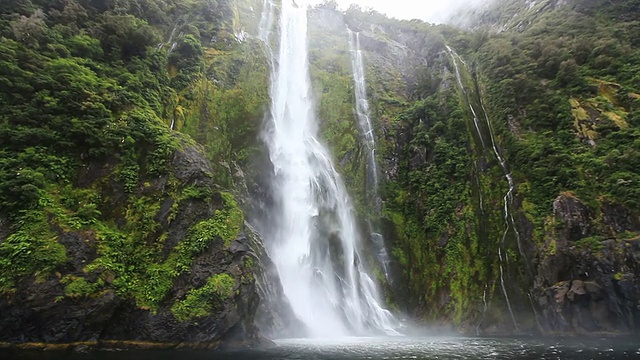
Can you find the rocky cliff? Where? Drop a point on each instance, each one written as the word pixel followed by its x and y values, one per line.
pixel 130 154
pixel 116 229
pixel 507 151
pixel 587 283
pixel 189 282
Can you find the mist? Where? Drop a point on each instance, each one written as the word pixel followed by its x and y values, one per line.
pixel 432 11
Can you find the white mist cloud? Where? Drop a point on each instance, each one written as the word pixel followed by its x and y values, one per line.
pixel 433 11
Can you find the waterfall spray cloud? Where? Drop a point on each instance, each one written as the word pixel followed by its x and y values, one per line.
pixel 433 11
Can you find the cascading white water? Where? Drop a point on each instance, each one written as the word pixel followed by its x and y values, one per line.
pixel 362 106
pixel 314 239
pixel 455 57
pixel 266 21
pixel 366 128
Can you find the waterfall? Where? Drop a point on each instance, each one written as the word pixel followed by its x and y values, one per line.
pixel 362 109
pixel 266 21
pixel 509 221
pixel 314 240
pixel 369 140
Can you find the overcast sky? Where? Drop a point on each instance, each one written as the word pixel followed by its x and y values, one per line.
pixel 434 11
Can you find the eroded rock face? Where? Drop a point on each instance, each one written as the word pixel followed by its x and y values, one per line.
pixel 618 219
pixel 588 284
pixel 275 317
pixel 4 228
pixel 39 311
pixel 574 217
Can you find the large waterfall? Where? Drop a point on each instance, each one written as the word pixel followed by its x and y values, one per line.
pixel 314 240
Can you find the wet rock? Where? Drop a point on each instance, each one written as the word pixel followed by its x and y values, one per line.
pixel 191 167
pixel 619 219
pixel 600 294
pixel 574 216
pixel 5 228
pixel 577 289
pixel 39 311
pixel 586 284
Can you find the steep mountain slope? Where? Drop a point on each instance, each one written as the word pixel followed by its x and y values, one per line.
pixel 130 144
pixel 512 186
pixel 116 230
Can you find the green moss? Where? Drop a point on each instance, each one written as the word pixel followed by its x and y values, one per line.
pixel 225 224
pixel 195 192
pixel 630 235
pixel 32 249
pixel 80 287
pixel 400 257
pixel 200 302
pixel 137 266
pixel 249 263
pixel 552 248
pixel 140 215
pixel 591 243
pixel 618 276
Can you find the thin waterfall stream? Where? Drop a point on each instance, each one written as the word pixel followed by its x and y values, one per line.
pixel 363 115
pixel 509 221
pixel 314 239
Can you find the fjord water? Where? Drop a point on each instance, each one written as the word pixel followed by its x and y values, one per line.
pixel 314 240
pixel 390 348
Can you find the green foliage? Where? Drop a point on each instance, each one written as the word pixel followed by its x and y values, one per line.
pixel 200 302
pixel 86 94
pixel 133 254
pixel 32 249
pixel 126 36
pixel 592 243
pixel 225 114
pixel 225 224
pixel 188 61
pixel 80 287
pixel 439 232
pixel 564 114
pixel 196 192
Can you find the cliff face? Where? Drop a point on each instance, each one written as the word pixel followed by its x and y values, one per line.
pixel 505 185
pixel 189 283
pixel 130 143
pixel 587 283
pixel 116 230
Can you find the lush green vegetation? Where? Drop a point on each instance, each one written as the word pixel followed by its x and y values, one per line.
pixel 88 92
pixel 96 98
pixel 560 87
pixel 561 94
pixel 200 302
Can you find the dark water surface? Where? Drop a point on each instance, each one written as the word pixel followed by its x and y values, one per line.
pixel 441 348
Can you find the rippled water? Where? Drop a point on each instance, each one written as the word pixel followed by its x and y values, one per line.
pixel 441 348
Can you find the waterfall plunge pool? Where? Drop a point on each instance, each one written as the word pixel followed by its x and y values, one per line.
pixel 383 348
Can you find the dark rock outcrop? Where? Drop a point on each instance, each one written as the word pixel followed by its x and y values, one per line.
pixel 588 284
pixel 4 228
pixel 39 311
pixel 275 317
pixel 574 217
